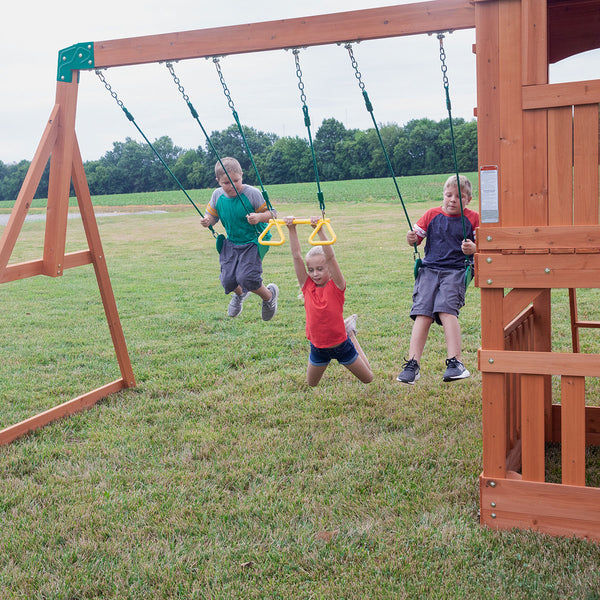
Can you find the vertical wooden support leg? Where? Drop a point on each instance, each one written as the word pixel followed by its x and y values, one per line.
pixel 532 427
pixel 573 430
pixel 493 387
pixel 59 183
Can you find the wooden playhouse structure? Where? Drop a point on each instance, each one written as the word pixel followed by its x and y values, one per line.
pixel 538 156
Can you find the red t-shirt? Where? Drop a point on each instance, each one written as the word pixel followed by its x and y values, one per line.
pixel 324 307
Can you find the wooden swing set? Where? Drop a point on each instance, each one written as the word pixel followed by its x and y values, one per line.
pixel 539 202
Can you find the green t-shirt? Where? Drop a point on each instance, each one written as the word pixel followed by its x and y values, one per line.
pixel 232 213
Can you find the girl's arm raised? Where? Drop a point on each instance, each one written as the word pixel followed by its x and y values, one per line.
pixel 332 263
pixel 299 265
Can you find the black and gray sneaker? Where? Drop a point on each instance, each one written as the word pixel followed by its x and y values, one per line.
pixel 410 372
pixel 269 307
pixel 455 370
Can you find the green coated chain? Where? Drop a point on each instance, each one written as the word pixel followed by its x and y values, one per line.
pixel 369 107
pixel 320 196
pixel 157 154
pixel 241 130
pixel 446 83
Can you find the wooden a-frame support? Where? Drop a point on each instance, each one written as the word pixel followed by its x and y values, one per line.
pixel 542 138
pixel 59 141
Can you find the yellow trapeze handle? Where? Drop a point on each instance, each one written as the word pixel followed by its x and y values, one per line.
pixel 318 241
pixel 313 239
pixel 277 223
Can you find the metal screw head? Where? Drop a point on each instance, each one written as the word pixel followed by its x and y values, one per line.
pixel 491 361
pixel 546 270
pixel 492 484
pixel 493 504
pixel 489 282
pixel 489 238
pixel 488 259
pixel 493 515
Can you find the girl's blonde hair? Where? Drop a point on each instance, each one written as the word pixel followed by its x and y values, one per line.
pixel 314 251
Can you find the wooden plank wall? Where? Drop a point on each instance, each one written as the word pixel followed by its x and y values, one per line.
pixel 544 139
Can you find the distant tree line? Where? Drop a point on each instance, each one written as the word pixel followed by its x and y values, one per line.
pixel 420 147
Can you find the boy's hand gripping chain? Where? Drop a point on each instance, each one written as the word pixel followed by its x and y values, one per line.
pixel 312 239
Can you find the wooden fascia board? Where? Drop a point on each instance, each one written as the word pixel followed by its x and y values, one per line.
pixel 351 26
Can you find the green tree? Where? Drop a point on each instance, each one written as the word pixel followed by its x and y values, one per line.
pixel 331 133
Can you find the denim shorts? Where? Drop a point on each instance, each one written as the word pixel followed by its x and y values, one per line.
pixel 438 291
pixel 345 353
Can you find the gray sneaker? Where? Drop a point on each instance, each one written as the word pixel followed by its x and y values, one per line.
pixel 350 324
pixel 455 370
pixel 236 304
pixel 410 373
pixel 269 307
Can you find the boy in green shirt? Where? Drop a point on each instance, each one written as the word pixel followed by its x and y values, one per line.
pixel 242 210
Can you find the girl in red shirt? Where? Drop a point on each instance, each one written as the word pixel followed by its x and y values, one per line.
pixel 324 287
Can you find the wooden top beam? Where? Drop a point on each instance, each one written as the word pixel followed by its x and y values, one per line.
pixel 351 26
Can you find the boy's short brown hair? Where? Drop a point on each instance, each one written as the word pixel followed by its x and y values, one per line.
pixel 227 165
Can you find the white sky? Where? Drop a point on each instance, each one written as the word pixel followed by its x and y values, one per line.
pixel 402 75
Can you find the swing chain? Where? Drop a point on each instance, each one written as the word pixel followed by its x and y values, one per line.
pixel 354 62
pixel 296 52
pixel 109 88
pixel 444 68
pixel 178 82
pixel 224 84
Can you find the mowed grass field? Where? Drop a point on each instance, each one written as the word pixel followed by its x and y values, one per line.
pixel 222 474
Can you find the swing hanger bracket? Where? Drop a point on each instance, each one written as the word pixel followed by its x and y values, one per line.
pixel 74 58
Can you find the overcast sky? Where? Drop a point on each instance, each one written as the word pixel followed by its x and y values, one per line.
pixel 402 75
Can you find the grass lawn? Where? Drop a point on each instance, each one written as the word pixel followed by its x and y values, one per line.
pixel 222 474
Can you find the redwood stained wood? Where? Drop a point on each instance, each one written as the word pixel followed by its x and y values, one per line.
pixel 573 430
pixel 27 191
pixel 59 183
pixel 577 236
pixel 585 155
pixel 488 84
pixel 9 434
pixel 592 424
pixel 556 509
pixel 561 94
pixel 535 123
pixel 99 261
pixel 535 270
pixel 545 363
pixel 560 166
pixel 495 439
pixel 532 427
pixel 510 116
pixel 374 23
pixel 515 302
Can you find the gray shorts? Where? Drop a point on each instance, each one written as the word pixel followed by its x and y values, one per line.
pixel 240 265
pixel 438 291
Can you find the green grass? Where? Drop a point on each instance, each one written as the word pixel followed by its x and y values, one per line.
pixel 222 475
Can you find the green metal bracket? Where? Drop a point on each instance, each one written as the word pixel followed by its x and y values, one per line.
pixel 74 58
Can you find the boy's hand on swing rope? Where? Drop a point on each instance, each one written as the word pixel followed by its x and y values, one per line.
pixel 253 218
pixel 412 238
pixel 468 247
